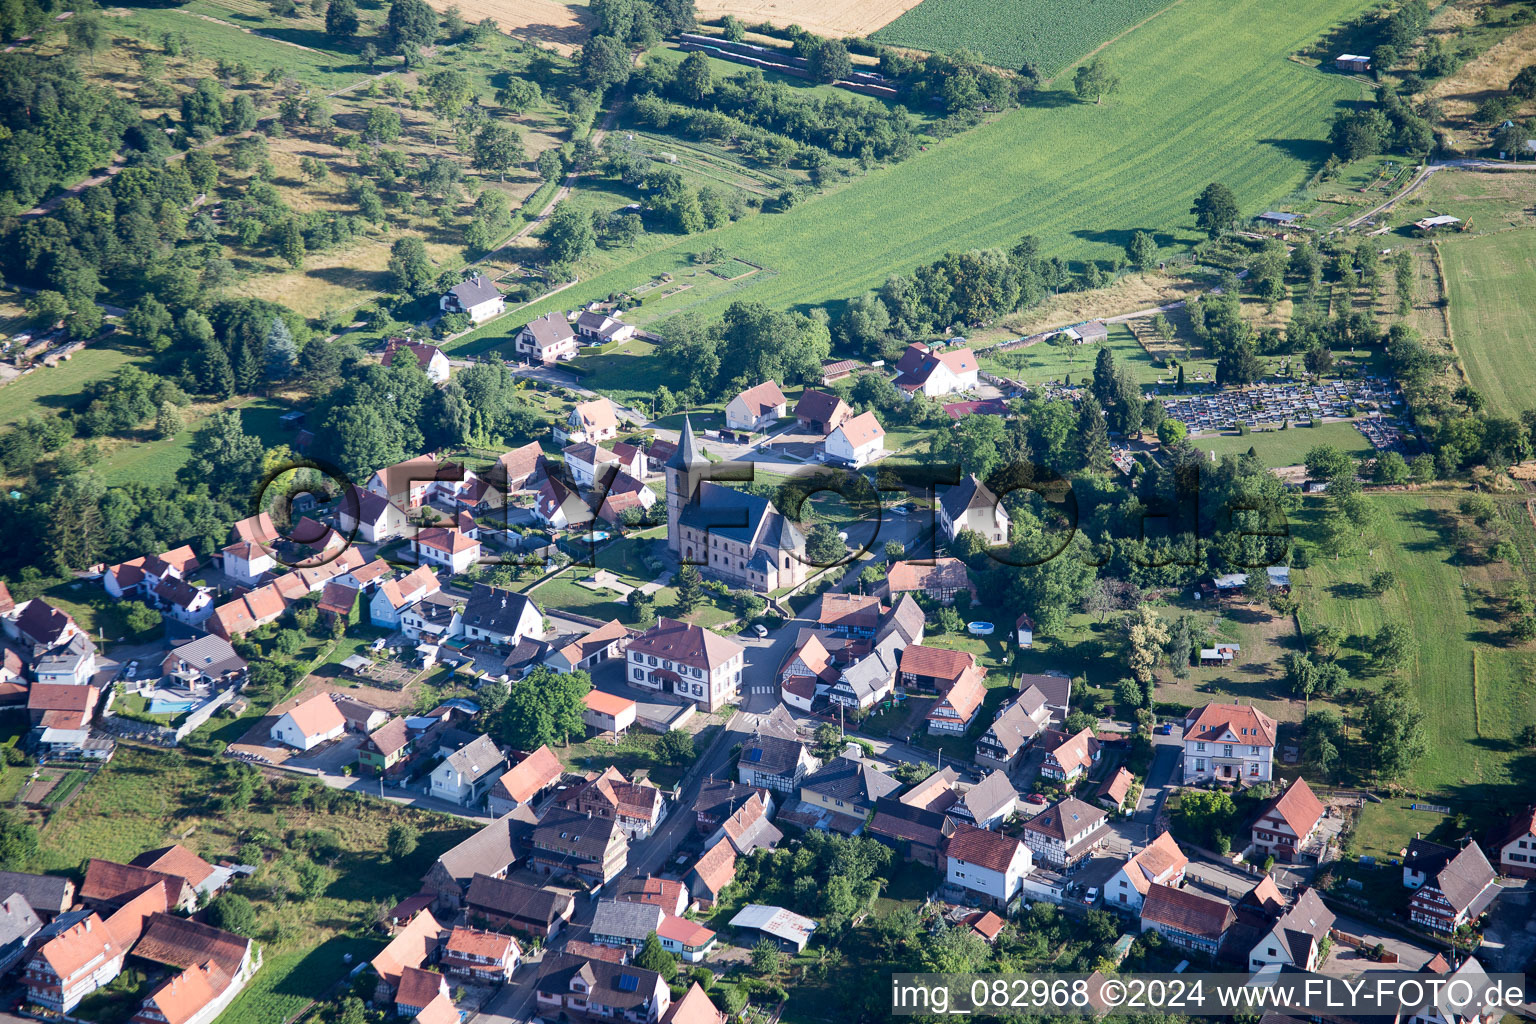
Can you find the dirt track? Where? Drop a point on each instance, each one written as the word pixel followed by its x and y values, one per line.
pixel 824 17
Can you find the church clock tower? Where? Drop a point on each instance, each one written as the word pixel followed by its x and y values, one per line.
pixel 681 482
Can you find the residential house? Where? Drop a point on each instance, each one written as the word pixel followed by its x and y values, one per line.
pixel 247 561
pixel 871 678
pixel 483 958
pixel 1228 743
pixel 712 873
pixel 972 506
pixel 605 642
pixel 207 663
pixel 632 460
pixel 1160 862
pixel 1068 757
pixel 1451 887
pixel 671 896
pixel 526 782
pixel 62 706
pixel 1287 822
pixel 807 671
pixel 19 925
pixel 476 297
pixel 987 865
pixel 1064 834
pixel 597 328
pixel 935 793
pixel 687 660
pixel 849 615
pixel 916 833
pixel 590 989
pixel 559 507
pixel 1297 938
pixel 956 709
pixel 847 786
pixel 592 421
pixel 787 930
pixel 1516 848
pixel 412 947
pixel 820 412
pixel 1018 723
pixel 419 481
pixel 418 989
pixel 385 747
pixel 608 712
pixel 393 597
pixel 1114 791
pixel 588 463
pixel 1056 688
pixel 466 776
pixel 1186 919
pixel 446 548
pixel 941 579
pixel 47 895
pixel 520 468
pixel 71 663
pixel 309 724
pixel 338 603
pixel 621 923
pixel 748 828
pixel 433 619
pixel 694 1007
pixel 718 799
pixel 690 941
pixel 145 573
pixel 501 617
pixel 987 804
pixel 756 408
pixel 491 851
pixel 934 669
pixel 504 903
pixel 429 357
pixel 624 492
pixel 856 442
pixel 547 339
pixel 776 763
pixel 569 842
pixel 637 807
pixel 72 964
pixel 936 372
pixel 108 886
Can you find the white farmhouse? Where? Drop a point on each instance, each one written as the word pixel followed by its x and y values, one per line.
pixel 477 297
pixel 931 372
pixel 466 775
pixel 857 442
pixel 546 339
pixel 310 724
pixel 756 408
pixel 1228 743
pixel 989 864
pixel 973 506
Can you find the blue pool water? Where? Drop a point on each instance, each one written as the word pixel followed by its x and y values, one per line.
pixel 161 706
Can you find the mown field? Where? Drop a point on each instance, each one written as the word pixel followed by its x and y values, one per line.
pixel 1474 685
pixel 1008 33
pixel 1286 447
pixel 1079 176
pixel 1490 280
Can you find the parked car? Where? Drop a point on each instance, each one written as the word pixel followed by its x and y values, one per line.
pixel 1166 728
pixel 132 670
pixel 1091 896
pixel 759 630
pixel 1035 798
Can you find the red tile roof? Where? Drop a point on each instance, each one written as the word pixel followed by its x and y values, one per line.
pixel 1247 724
pixel 537 771
pixel 991 850
pixel 935 662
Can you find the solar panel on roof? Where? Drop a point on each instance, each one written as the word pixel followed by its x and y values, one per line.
pixel 755 754
pixel 628 983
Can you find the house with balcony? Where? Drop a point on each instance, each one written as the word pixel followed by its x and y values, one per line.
pixel 1228 743
pixel 1066 833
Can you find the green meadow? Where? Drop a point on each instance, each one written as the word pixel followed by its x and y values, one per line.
pixel 1490 280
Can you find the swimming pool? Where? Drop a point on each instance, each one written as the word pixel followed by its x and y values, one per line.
pixel 162 706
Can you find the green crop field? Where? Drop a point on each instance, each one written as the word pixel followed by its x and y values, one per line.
pixel 1472 683
pixel 1286 447
pixel 1008 33
pixel 1490 280
pixel 1079 176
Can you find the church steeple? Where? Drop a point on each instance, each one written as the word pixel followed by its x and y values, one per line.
pixel 688 453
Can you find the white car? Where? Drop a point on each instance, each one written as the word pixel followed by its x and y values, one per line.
pixel 1091 896
pixel 760 631
pixel 133 669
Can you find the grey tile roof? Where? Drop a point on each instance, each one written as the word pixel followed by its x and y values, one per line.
pixel 624 920
pixel 843 778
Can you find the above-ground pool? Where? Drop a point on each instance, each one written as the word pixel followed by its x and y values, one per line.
pixel 161 706
pixel 979 628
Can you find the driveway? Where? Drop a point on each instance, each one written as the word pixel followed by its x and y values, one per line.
pixel 1509 941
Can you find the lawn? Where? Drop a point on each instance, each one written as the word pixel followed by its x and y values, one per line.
pixel 48 391
pixel 157 461
pixel 1079 176
pixel 1009 33
pixel 1491 279
pixel 1473 683
pixel 1286 447
pixel 1045 361
pixel 1385 829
